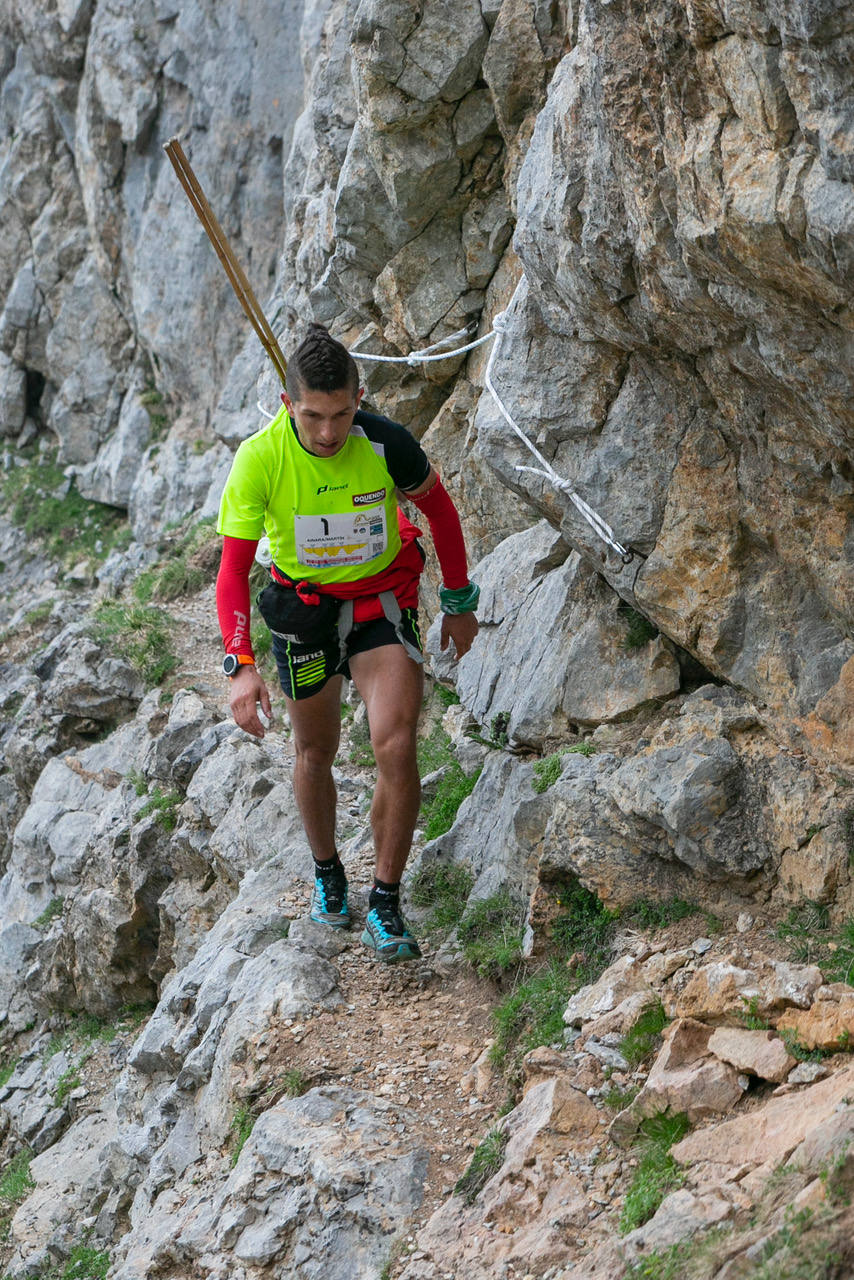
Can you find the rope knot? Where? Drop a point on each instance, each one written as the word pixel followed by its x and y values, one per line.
pixel 500 322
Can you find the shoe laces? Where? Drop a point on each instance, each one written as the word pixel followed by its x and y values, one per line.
pixel 332 893
pixel 389 917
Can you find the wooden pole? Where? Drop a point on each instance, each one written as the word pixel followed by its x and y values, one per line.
pixel 225 253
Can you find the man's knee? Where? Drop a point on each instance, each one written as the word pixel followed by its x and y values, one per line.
pixel 394 749
pixel 315 757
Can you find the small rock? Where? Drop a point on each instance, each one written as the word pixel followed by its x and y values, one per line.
pixel 807 1073
pixel 701 945
pixel 744 923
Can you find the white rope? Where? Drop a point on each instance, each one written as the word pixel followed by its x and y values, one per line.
pixel 424 356
pixel 500 325
pixel 599 526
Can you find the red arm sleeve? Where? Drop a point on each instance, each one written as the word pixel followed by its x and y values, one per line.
pixel 232 594
pixel 447 534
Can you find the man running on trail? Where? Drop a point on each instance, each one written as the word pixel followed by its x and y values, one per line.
pixel 321 479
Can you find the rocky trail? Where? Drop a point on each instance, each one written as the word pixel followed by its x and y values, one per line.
pixel 743 1041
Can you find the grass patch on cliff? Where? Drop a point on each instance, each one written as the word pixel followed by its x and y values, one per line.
pixel 490 935
pixel 443 889
pixel 141 634
pixel 642 1038
pixel 439 814
pixel 487 1158
pixel 15 1180
pixel 85 1263
pixel 45 503
pixel 191 560
pixel 52 912
pixel 242 1124
pixel 638 630
pixel 657 1173
pixel 69 1080
pixel 811 939
pixel 164 806
pixel 548 769
pixel 579 949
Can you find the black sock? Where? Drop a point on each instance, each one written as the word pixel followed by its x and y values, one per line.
pixel 330 868
pixel 384 895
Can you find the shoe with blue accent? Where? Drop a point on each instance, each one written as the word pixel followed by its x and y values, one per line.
pixel 386 932
pixel 329 902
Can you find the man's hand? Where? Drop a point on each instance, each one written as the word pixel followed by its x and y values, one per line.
pixel 462 629
pixel 247 690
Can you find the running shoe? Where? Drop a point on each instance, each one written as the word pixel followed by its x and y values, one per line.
pixel 329 902
pixel 386 933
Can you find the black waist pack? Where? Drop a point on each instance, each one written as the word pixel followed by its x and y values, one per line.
pixel 291 618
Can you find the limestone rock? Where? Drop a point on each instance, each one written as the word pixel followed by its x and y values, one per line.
pixel 496 829
pixel 720 991
pixel 683 1078
pixel 680 1216
pixel 66 1179
pixel 620 982
pixel 566 624
pixel 330 1167
pixel 770 1134
pixel 759 1053
pixel 829 1021
pixel 531 1209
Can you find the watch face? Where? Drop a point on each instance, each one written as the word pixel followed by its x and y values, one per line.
pixel 229 664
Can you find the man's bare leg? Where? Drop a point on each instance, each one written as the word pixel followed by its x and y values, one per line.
pixel 316 724
pixel 391 685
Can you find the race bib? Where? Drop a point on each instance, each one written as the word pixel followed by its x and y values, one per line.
pixel 348 538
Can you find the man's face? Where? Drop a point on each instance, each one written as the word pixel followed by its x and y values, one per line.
pixel 323 418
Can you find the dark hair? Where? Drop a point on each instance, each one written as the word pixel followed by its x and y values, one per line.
pixel 321 363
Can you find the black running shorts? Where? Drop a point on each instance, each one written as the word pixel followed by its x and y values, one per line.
pixel 305 668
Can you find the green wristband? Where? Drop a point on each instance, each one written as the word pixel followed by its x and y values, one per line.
pixel 460 600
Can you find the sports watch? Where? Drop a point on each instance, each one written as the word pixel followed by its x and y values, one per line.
pixel 232 662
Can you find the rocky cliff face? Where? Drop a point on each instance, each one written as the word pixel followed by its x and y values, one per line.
pixel 653 204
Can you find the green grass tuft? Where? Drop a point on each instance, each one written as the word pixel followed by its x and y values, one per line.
pixel 15 1181
pixel 188 564
pixel 43 502
pixel 657 1172
pixel 164 805
pixel 440 813
pixel 139 633
pixel 639 630
pixel 85 1263
pixel 750 1017
pixel 486 1160
pixel 443 888
pixel 658 915
pixel 295 1082
pixel 51 912
pixel 547 772
pixel 69 1080
pixel 242 1124
pixel 532 1014
pixel 639 1042
pixel 812 941
pixel 490 934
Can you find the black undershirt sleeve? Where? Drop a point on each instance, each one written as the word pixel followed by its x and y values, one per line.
pixel 407 462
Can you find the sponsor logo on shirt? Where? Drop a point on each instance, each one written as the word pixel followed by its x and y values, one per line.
pixel 330 488
pixel 364 499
